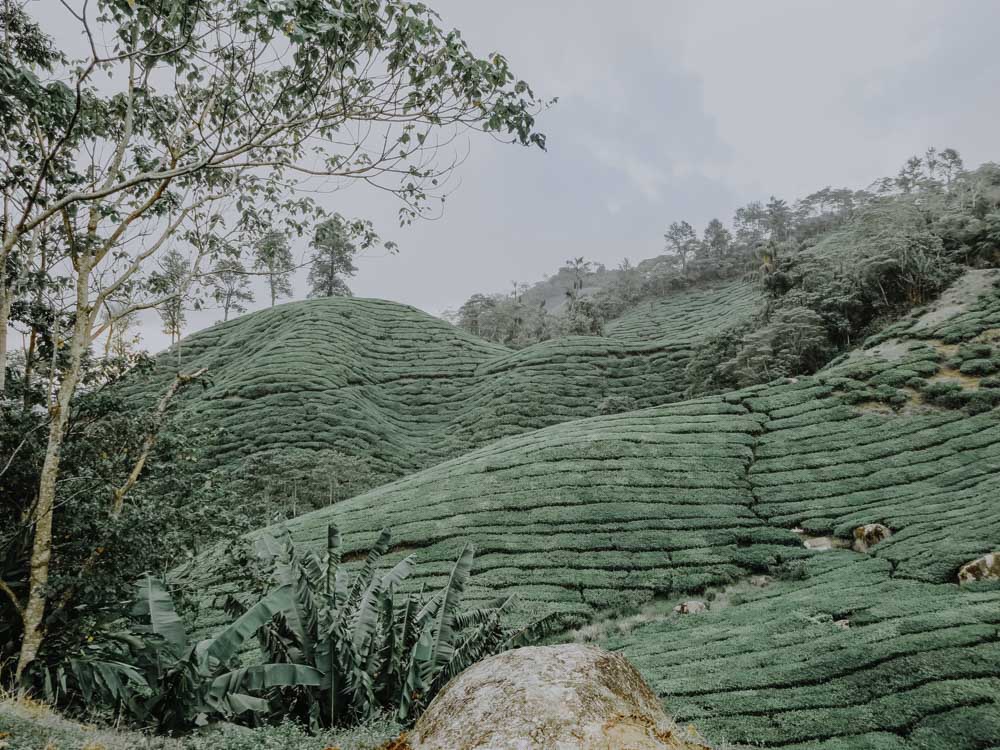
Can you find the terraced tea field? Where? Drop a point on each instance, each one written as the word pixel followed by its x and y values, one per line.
pixel 634 512
pixel 405 390
pixel 850 658
pixel 579 517
pixel 613 513
pixel 686 317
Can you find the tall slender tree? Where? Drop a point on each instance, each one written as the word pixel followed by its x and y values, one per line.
pixel 174 281
pixel 332 261
pixel 717 241
pixel 273 257
pixel 682 242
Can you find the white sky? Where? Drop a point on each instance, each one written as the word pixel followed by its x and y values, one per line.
pixel 679 110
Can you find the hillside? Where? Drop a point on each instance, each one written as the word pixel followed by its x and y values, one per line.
pixel 405 390
pixel 634 512
pixel 686 316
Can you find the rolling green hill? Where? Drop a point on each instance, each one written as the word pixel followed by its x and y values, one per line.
pixel 632 512
pixel 405 390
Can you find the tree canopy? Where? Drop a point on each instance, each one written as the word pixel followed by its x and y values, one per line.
pixel 194 127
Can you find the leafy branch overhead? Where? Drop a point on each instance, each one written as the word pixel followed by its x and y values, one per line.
pixel 189 130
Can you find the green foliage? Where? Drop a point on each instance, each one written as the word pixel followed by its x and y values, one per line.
pixel 98 556
pixel 152 672
pixel 914 665
pixel 979 366
pixel 273 257
pixel 34 726
pixel 832 268
pixel 332 261
pixel 405 391
pixel 793 342
pixel 377 649
pixel 572 518
pixel 616 405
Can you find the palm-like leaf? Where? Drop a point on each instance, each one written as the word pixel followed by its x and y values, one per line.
pixel 399 573
pixel 332 559
pixel 155 607
pixel 226 644
pixel 364 577
pixel 302 618
pixel 114 680
pixel 444 628
pixel 413 688
pixel 223 688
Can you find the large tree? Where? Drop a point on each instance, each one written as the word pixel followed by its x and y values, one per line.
pixel 717 241
pixel 212 118
pixel 332 261
pixel 682 242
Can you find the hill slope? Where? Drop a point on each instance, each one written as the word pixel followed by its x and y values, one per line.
pixel 617 513
pixel 405 390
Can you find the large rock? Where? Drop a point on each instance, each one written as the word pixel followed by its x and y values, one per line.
pixel 549 698
pixel 985 568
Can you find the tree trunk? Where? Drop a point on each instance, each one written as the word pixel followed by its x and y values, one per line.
pixel 29 359
pixel 5 303
pixel 6 300
pixel 41 551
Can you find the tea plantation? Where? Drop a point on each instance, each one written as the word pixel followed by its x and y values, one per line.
pixel 850 657
pixel 686 317
pixel 617 518
pixel 405 390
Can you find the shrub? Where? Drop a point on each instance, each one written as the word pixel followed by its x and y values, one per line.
pixel 154 672
pixel 617 405
pixel 895 378
pixel 291 736
pixel 338 651
pixel 982 400
pixel 979 367
pixel 377 653
pixel 889 395
pixel 790 570
pixel 975 351
pixel 947 394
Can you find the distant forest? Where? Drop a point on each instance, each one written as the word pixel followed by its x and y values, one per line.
pixel 829 268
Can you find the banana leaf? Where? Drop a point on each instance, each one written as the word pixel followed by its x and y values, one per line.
pixel 154 604
pixel 226 644
pixel 260 677
pixel 364 577
pixel 399 573
pixel 444 629
pixel 332 559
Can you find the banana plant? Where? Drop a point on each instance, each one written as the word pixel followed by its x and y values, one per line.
pixel 154 670
pixel 377 648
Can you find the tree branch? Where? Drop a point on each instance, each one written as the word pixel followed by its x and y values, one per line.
pixel 150 439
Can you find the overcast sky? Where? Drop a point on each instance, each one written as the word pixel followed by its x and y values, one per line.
pixel 680 110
